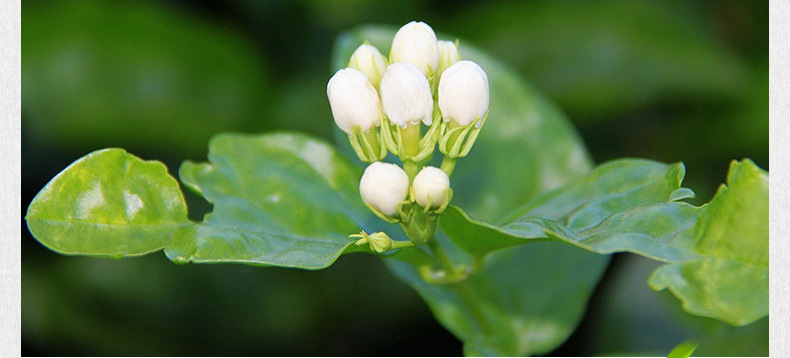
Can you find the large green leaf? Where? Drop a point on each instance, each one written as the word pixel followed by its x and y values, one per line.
pixel 718 253
pixel 616 193
pixel 279 199
pixel 730 282
pixel 141 75
pixel 108 203
pixel 534 295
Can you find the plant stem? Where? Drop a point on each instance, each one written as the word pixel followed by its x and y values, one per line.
pixel 441 257
pixel 469 299
pixel 448 165
pixel 462 286
pixel 401 244
pixel 411 139
pixel 411 168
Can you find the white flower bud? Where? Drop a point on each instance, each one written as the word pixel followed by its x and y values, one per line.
pixel 383 186
pixel 463 93
pixel 448 55
pixel 354 101
pixel 370 61
pixel 406 95
pixel 431 186
pixel 416 43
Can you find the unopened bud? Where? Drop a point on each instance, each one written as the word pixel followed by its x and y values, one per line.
pixel 378 241
pixel 463 93
pixel 431 188
pixel 383 187
pixel 370 61
pixel 354 101
pixel 416 43
pixel 448 55
pixel 406 95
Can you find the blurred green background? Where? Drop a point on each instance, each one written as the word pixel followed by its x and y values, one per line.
pixel 676 80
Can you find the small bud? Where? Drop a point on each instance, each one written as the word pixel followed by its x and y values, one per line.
pixel 383 187
pixel 415 43
pixel 431 188
pixel 378 241
pixel 448 55
pixel 370 61
pixel 354 101
pixel 406 95
pixel 463 93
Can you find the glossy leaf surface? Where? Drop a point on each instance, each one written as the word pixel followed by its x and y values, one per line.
pixel 279 199
pixel 731 281
pixel 533 295
pixel 108 203
pixel 717 252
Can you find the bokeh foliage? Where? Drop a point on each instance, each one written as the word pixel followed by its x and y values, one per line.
pixel 669 81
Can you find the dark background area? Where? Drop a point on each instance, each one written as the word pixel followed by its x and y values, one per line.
pixel 676 80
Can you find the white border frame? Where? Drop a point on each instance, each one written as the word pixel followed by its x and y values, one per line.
pixel 10 194
pixel 779 106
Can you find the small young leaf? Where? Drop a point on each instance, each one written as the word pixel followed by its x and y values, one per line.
pixel 279 199
pixel 683 350
pixel 108 203
pixel 718 253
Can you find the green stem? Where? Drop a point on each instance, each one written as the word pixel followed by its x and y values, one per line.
pixel 469 299
pixel 448 165
pixel 401 244
pixel 441 257
pixel 411 168
pixel 462 287
pixel 411 139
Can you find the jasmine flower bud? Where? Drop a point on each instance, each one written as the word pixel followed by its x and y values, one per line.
pixel 416 43
pixel 378 241
pixel 370 61
pixel 463 93
pixel 431 188
pixel 383 187
pixel 448 55
pixel 354 101
pixel 406 95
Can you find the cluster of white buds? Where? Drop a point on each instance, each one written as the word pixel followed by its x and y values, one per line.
pixel 383 104
pixel 421 97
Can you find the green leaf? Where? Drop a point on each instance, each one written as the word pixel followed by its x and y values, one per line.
pixel 143 75
pixel 615 193
pixel 718 253
pixel 108 203
pixel 528 302
pixel 279 199
pixel 731 281
pixel 534 295
pixel 683 350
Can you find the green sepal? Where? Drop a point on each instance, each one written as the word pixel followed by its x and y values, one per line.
pixel 458 141
pixel 391 137
pixel 418 225
pixel 366 151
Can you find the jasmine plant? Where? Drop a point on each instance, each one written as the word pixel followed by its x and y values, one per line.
pixel 503 226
